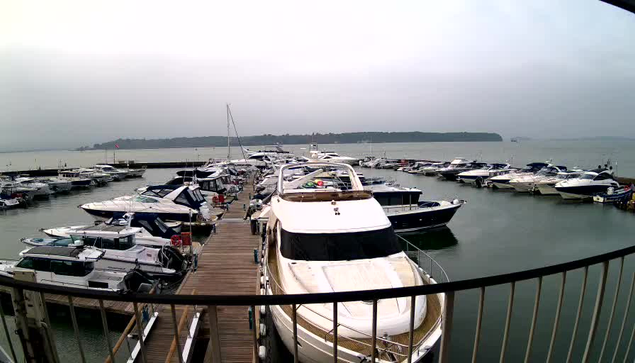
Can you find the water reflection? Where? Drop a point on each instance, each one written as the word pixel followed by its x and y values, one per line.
pixel 435 239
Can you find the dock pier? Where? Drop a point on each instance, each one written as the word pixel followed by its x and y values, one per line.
pixel 225 266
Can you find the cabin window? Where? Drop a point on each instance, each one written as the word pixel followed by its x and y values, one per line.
pixel 181 199
pixel 26 262
pixel 124 243
pixel 69 268
pixel 339 246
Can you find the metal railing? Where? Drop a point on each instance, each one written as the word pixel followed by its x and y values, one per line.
pixel 623 339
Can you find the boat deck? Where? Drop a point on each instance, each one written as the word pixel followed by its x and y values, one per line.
pixel 225 266
pixel 363 345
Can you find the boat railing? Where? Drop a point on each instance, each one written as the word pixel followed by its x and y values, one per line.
pixel 276 289
pixel 603 326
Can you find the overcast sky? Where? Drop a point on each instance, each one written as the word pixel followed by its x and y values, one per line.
pixel 75 73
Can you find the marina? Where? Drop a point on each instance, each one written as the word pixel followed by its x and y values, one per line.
pixel 227 257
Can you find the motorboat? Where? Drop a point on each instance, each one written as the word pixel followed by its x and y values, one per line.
pixel 9 189
pixel 8 202
pixel 42 190
pixel 121 252
pixel 479 176
pixel 526 183
pixel 134 173
pixel 502 181
pixel 78 180
pixel 152 230
pixel 333 157
pixel 116 174
pixel 57 185
pixel 547 186
pixel 433 168
pixel 323 239
pixel 458 166
pixel 72 267
pixel 590 183
pixel 407 213
pixel 613 195
pixel 417 167
pixel 170 202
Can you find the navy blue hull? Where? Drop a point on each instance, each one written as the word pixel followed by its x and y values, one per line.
pixel 584 190
pixel 423 219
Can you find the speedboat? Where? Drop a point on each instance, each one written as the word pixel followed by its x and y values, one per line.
pixel 479 176
pixel 333 157
pixel 502 181
pixel 78 180
pixel 42 190
pixel 121 252
pixel 587 185
pixel 152 230
pixel 613 196
pixel 433 168
pixel 407 213
pixel 57 185
pixel 170 202
pixel 526 183
pixel 323 239
pixel 74 267
pixel 547 186
pixel 116 174
pixel 458 166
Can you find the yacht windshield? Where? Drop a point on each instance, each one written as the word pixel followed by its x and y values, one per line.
pixel 339 246
pixel 588 176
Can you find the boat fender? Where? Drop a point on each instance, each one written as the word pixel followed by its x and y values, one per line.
pixel 263 310
pixel 262 281
pixel 262 291
pixel 263 330
pixel 262 352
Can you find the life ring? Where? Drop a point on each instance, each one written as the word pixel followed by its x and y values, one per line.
pixel 175 240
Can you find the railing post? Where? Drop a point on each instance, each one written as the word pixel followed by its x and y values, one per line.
pixel 335 332
pixel 617 294
pixel 104 322
pixel 294 317
pixel 596 312
pixel 373 353
pixel 534 319
pixel 628 308
pixel 448 314
pixel 142 343
pixel 411 328
pixel 177 338
pixel 479 321
pixel 579 314
pixel 214 339
pixel 75 328
pixel 556 320
pixel 508 320
pixel 6 332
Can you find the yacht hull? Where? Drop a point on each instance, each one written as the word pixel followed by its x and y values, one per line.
pixel 315 349
pixel 421 218
pixel 502 185
pixel 102 215
pixel 581 192
pixel 523 187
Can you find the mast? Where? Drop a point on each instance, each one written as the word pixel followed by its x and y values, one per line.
pixel 228 140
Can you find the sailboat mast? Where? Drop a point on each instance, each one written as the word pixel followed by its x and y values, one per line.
pixel 228 140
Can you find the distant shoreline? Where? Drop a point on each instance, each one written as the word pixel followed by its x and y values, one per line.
pixel 269 139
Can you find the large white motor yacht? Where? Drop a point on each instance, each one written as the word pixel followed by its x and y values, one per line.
pixel 587 185
pixel 479 176
pixel 321 239
pixel 526 183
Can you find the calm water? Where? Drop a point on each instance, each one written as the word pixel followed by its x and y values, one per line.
pixel 496 232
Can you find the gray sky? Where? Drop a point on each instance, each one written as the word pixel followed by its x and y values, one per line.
pixel 74 73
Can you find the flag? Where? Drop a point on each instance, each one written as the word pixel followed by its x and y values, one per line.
pixel 117 146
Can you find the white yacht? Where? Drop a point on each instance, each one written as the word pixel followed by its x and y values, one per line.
pixel 71 267
pixel 115 173
pixel 323 240
pixel 121 252
pixel 77 179
pixel 587 185
pixel 57 185
pixel 41 189
pixel 479 176
pixel 526 183
pixel 331 157
pixel 502 181
pixel 547 186
pixel 170 202
pixel 433 168
pixel 152 230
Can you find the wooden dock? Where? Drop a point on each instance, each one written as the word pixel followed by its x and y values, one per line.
pixel 225 266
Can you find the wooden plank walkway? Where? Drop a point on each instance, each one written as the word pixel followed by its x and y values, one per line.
pixel 225 266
